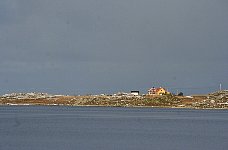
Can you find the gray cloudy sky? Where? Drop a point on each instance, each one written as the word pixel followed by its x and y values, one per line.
pixel 106 46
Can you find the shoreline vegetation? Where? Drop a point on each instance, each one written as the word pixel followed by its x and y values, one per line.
pixel 216 100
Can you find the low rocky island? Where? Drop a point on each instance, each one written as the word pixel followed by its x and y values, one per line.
pixel 216 100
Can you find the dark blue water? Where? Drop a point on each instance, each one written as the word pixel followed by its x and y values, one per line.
pixel 100 128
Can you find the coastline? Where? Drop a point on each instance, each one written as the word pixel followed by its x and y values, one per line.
pixel 163 107
pixel 217 100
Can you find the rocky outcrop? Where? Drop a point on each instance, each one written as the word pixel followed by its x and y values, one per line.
pixel 214 100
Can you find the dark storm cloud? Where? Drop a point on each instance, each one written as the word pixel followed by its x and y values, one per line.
pixel 106 46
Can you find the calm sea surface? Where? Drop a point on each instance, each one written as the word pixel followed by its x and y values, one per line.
pixel 107 128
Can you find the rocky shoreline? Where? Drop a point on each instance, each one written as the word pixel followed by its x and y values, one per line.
pixel 216 100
